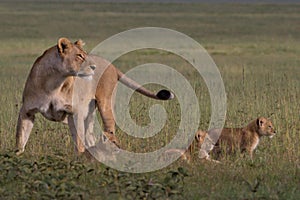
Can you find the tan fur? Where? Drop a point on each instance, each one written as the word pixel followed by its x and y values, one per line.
pixel 51 85
pixel 186 153
pixel 199 138
pixel 243 139
pixel 198 141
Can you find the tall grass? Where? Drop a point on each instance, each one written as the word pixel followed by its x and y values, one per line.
pixel 256 48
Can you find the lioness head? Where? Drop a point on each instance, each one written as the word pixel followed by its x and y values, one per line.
pixel 75 61
pixel 265 127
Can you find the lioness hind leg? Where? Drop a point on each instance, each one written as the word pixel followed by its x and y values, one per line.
pixel 24 126
pixel 106 113
pixel 109 126
pixel 108 120
pixel 105 97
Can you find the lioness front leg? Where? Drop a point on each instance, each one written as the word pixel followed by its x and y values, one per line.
pixel 77 132
pixel 24 127
pixel 90 138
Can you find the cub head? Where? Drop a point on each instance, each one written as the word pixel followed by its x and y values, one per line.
pixel 75 61
pixel 265 127
pixel 199 137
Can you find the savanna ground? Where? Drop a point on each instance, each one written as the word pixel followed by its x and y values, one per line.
pixel 256 48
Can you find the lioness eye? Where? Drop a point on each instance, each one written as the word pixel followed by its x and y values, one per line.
pixel 80 56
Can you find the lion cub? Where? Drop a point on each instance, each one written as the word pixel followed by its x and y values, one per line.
pixel 198 141
pixel 241 139
pixel 186 154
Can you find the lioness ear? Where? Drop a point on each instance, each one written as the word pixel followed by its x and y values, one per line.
pixel 79 43
pixel 63 45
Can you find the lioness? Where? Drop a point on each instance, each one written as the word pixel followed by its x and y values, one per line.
pixel 241 139
pixel 50 87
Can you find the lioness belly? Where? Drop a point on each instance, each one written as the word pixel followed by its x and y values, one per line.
pixel 55 112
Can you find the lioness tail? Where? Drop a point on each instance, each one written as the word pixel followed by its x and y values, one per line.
pixel 161 95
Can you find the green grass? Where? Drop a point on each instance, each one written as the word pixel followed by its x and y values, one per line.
pixel 256 48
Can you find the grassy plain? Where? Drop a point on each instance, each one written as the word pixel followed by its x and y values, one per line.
pixel 256 48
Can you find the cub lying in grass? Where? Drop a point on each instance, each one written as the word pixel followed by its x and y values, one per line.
pixel 240 139
pixel 186 153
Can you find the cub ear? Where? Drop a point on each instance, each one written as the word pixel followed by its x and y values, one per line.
pixel 79 43
pixel 63 45
pixel 197 136
pixel 259 121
